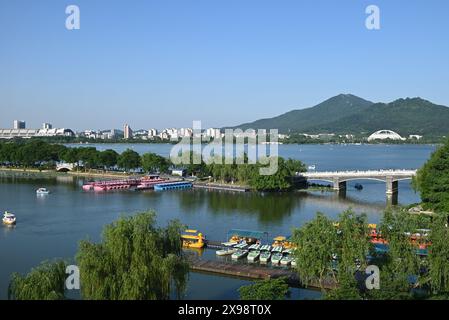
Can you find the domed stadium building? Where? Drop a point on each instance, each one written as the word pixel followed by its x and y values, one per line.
pixel 385 134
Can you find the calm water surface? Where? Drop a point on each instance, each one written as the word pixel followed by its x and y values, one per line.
pixel 51 226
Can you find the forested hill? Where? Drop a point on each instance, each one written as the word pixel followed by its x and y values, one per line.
pixel 347 113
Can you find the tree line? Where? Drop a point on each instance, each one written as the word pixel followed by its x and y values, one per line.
pixel 42 155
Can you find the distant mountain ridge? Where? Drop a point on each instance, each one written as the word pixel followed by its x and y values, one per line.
pixel 349 114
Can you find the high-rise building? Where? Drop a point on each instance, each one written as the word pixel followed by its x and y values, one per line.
pixel 47 126
pixel 127 132
pixel 19 124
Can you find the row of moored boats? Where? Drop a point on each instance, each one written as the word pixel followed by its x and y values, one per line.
pixel 277 254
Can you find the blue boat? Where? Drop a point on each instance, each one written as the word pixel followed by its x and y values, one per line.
pixel 173 186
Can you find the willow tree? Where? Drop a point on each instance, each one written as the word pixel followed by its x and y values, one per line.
pixel 316 245
pixel 432 180
pixel 135 260
pixel 352 248
pixel 44 282
pixel 269 289
pixel 439 255
pixel 400 263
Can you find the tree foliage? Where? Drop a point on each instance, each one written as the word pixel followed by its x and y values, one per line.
pixel 432 180
pixel 135 260
pixel 129 159
pixel 44 282
pixel 270 289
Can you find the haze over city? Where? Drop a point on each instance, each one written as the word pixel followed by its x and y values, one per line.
pixel 160 64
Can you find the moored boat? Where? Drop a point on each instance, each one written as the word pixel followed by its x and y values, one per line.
pixel 253 255
pixel 286 260
pixel 276 258
pixel 9 218
pixel 226 252
pixel 239 254
pixel 265 256
pixel 193 239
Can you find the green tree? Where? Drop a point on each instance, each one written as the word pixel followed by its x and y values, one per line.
pixel 439 255
pixel 316 246
pixel 432 180
pixel 108 158
pixel 279 181
pixel 152 162
pixel 135 260
pixel 129 160
pixel 270 289
pixel 45 282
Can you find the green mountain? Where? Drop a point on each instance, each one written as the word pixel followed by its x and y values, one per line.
pixel 347 113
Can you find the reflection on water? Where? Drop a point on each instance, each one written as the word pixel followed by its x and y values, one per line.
pixel 50 227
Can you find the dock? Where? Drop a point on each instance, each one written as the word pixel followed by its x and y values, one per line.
pixel 220 187
pixel 252 271
pixel 247 271
pixel 172 185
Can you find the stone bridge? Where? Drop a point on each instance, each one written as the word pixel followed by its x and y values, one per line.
pixel 339 178
pixel 64 167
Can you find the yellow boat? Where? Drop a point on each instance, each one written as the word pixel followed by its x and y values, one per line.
pixel 193 239
pixel 281 241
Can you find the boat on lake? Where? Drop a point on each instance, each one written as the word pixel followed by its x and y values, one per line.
pixel 264 256
pixel 9 218
pixel 42 191
pixel 276 258
pixel 239 254
pixel 358 186
pixel 253 255
pixel 286 260
pixel 226 252
pixel 193 239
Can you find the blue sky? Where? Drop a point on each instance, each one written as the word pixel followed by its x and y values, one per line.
pixel 165 63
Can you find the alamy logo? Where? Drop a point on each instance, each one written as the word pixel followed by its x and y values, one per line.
pixel 72 22
pixel 373 279
pixel 73 280
pixel 234 148
pixel 372 22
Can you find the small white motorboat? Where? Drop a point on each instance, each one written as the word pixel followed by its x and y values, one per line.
pixel 239 254
pixel 42 191
pixel 253 255
pixel 226 252
pixel 286 260
pixel 276 258
pixel 265 256
pixel 229 244
pixel 9 218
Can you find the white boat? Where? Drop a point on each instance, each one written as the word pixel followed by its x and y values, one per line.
pixel 226 252
pixel 42 191
pixel 255 246
pixel 229 244
pixel 241 245
pixel 9 218
pixel 253 255
pixel 311 167
pixel 286 260
pixel 277 249
pixel 276 258
pixel 265 247
pixel 265 256
pixel 239 254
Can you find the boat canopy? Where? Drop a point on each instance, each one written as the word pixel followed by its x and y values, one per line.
pixel 246 233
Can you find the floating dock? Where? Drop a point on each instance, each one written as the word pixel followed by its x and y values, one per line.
pixel 252 272
pixel 220 187
pixel 172 185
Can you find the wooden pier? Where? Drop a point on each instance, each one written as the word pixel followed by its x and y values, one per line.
pixel 251 271
pixel 210 186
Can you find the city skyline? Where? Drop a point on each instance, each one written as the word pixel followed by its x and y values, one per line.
pixel 160 65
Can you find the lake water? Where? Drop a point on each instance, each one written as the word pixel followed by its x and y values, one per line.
pixel 51 226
